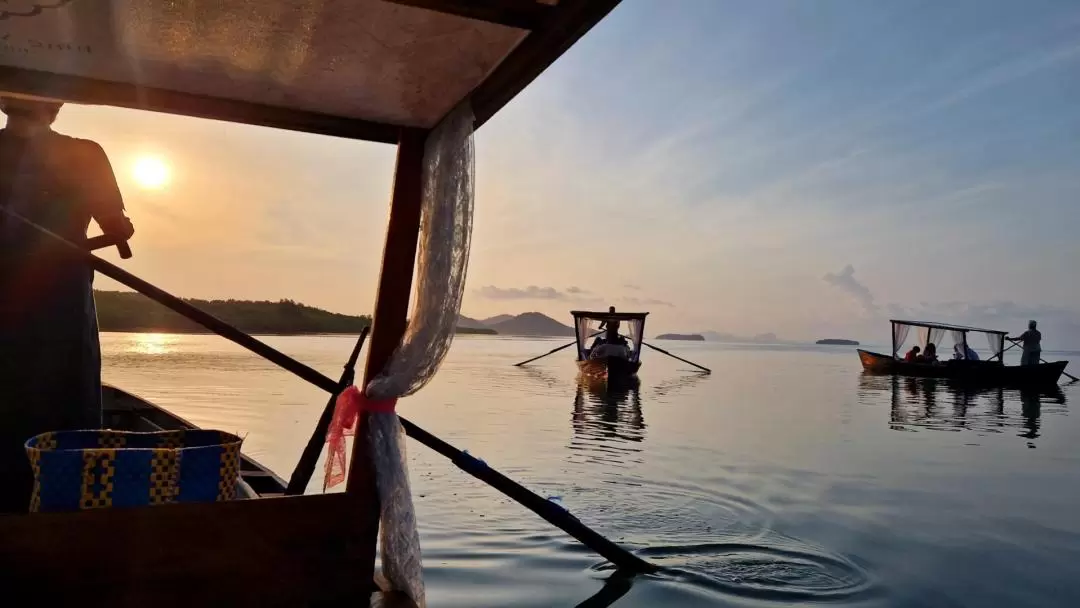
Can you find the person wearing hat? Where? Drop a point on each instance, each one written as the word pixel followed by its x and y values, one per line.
pixel 1031 341
pixel 50 360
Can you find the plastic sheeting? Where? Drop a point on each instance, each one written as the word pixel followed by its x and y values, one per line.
pixel 443 256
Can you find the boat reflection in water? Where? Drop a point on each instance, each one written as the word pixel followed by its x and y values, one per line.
pixel 607 414
pixel 937 404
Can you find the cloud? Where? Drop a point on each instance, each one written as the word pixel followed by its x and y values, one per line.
pixel 647 302
pixel 845 281
pixel 632 287
pixel 534 292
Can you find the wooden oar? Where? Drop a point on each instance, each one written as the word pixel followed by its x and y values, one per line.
pixel 548 510
pixel 658 349
pixel 554 350
pixel 305 468
pixel 1063 372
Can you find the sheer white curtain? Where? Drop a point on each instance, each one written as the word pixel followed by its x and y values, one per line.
pixel 928 335
pixel 584 327
pixel 899 334
pixel 960 340
pixel 442 259
pixel 634 333
pixel 997 344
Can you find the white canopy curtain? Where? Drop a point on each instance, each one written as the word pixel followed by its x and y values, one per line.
pixel 634 333
pixel 930 335
pixel 899 335
pixel 997 344
pixel 959 338
pixel 442 259
pixel 585 327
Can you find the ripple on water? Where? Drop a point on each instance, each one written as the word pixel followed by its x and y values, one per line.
pixel 778 573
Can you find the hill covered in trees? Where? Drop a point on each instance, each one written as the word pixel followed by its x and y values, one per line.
pixel 130 311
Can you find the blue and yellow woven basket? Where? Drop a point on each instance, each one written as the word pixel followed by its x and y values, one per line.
pixel 76 470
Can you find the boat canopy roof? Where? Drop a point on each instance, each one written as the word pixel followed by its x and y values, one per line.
pixel 360 69
pixel 947 327
pixel 605 315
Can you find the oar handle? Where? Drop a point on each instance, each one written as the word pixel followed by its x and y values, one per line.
pixel 660 350
pixel 105 240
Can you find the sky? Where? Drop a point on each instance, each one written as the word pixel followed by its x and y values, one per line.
pixel 810 169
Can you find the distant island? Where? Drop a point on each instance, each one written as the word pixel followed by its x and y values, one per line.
pixel 766 338
pixel 837 342
pixel 128 311
pixel 690 337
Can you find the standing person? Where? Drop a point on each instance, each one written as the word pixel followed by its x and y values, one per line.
pixel 50 359
pixel 1031 340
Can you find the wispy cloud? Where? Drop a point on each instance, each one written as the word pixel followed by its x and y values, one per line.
pixel 632 287
pixel 534 292
pixel 846 282
pixel 646 302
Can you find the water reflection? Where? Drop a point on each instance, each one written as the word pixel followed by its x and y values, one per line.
pixel 937 404
pixel 152 344
pixel 608 412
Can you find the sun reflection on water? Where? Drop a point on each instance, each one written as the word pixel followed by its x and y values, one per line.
pixel 153 344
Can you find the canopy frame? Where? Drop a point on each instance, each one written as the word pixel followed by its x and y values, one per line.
pixel 581 331
pixel 998 336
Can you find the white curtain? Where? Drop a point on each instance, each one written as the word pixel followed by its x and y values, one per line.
pixel 959 340
pixel 929 335
pixel 634 333
pixel 585 328
pixel 899 334
pixel 997 344
pixel 442 259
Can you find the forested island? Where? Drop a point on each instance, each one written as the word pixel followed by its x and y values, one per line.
pixel 134 312
pixel 837 342
pixel 691 337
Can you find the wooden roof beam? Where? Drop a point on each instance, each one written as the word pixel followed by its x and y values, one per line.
pixel 77 89
pixel 522 14
pixel 571 20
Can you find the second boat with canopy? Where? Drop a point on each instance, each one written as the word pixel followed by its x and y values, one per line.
pixel 603 351
pixel 965 366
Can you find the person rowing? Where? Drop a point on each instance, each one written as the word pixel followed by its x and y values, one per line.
pixel 50 358
pixel 1031 342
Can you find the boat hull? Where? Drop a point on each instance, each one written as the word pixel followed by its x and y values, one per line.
pixel 979 373
pixel 610 368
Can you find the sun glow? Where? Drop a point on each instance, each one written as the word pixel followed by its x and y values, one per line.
pixel 150 172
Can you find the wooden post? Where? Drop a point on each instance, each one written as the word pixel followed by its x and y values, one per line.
pixel 390 316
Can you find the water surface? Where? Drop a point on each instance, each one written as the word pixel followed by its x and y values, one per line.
pixel 787 477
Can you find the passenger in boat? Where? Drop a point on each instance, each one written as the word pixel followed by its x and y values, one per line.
pixel 1031 341
pixel 930 354
pixel 964 352
pixel 913 355
pixel 50 362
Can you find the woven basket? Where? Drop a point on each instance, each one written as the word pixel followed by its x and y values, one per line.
pixel 76 470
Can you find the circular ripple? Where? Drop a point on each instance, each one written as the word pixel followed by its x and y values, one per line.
pixel 763 572
pixel 651 513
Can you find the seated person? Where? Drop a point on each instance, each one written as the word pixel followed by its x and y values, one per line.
pixel 930 355
pixel 610 350
pixel 913 355
pixel 963 352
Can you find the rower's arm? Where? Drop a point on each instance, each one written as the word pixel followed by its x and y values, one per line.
pixel 103 194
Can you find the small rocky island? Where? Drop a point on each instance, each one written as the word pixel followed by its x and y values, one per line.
pixel 690 337
pixel 837 342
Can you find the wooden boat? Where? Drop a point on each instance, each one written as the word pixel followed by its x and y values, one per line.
pixel 611 356
pixel 127 412
pixel 385 71
pixel 989 372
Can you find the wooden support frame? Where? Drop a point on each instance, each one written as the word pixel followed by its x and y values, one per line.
pixel 521 14
pixel 266 552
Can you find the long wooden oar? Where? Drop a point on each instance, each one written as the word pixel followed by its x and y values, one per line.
pixel 658 349
pixel 1063 372
pixel 305 468
pixel 549 511
pixel 550 352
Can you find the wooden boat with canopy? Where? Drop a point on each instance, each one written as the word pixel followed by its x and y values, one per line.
pixel 991 371
pixel 418 74
pixel 603 351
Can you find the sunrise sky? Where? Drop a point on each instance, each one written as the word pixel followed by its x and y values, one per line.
pixel 803 168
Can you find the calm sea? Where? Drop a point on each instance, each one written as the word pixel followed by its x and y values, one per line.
pixel 786 477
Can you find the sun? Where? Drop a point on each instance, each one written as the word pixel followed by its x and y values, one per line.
pixel 150 172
